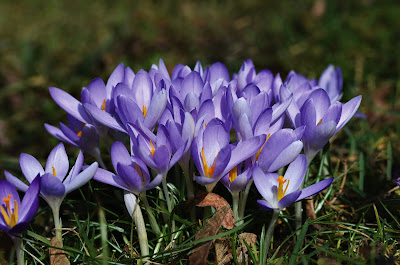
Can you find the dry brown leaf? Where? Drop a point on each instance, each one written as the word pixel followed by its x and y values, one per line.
pixel 250 239
pixel 223 251
pixel 204 199
pixel 200 253
pixel 57 256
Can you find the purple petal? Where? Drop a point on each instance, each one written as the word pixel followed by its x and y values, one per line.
pixel 321 102
pixel 161 158
pixel 142 87
pixel 18 184
pixel 207 109
pixel 315 188
pixel 177 156
pixel 119 154
pixel 6 189
pixel 214 138
pixel 244 150
pixel 286 156
pixel 154 183
pixel 128 110
pixel 57 162
pixel 81 179
pixel 245 129
pixel 295 173
pixel 116 77
pixel 109 178
pixel 71 105
pixel 156 108
pixel 30 167
pixel 75 169
pixel 104 118
pixel 289 199
pixel 321 135
pixel 348 110
pixel 30 202
pixel 131 178
pixel 264 205
pixel 192 83
pixel 57 133
pixel 221 162
pixel 51 186
pixel 97 90
pixel 333 113
pixel 264 183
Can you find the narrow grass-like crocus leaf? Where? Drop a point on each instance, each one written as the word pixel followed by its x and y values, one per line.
pixel 299 243
pixel 378 221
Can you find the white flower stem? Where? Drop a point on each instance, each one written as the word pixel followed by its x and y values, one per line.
pixel 57 221
pixel 168 199
pixel 270 232
pixel 245 194
pixel 153 221
pixel 141 230
pixel 19 250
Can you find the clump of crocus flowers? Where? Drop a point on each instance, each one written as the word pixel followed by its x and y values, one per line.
pixel 235 129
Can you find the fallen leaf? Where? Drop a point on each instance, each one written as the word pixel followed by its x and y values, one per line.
pixel 223 251
pixel 200 253
pixel 204 199
pixel 57 256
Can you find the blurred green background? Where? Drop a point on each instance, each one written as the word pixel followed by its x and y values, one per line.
pixel 68 43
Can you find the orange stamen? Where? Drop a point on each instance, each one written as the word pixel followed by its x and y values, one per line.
pixel 144 110
pixel 259 151
pixel 281 192
pixel 319 123
pixel 103 106
pixel 233 174
pixel 209 172
pixel 10 217
pixel 54 172
pixel 152 148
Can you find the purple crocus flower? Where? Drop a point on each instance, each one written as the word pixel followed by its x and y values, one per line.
pixel 214 156
pixel 323 119
pixel 133 104
pixel 132 174
pixel 238 178
pixel 15 215
pixel 55 183
pixel 281 191
pixel 81 135
pixel 331 81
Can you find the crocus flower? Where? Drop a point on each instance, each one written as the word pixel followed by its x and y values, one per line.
pixel 132 174
pixel 55 184
pixel 323 119
pixel 281 191
pixel 15 215
pixel 331 81
pixel 84 136
pixel 214 156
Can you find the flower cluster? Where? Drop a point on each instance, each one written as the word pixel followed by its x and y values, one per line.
pixel 235 129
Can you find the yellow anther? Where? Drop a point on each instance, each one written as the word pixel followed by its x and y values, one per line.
pixel 209 172
pixel 10 217
pixel 259 151
pixel 152 148
pixel 281 192
pixel 319 123
pixel 103 106
pixel 233 174
pixel 144 110
pixel 54 172
pixel 138 169
pixel 79 134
